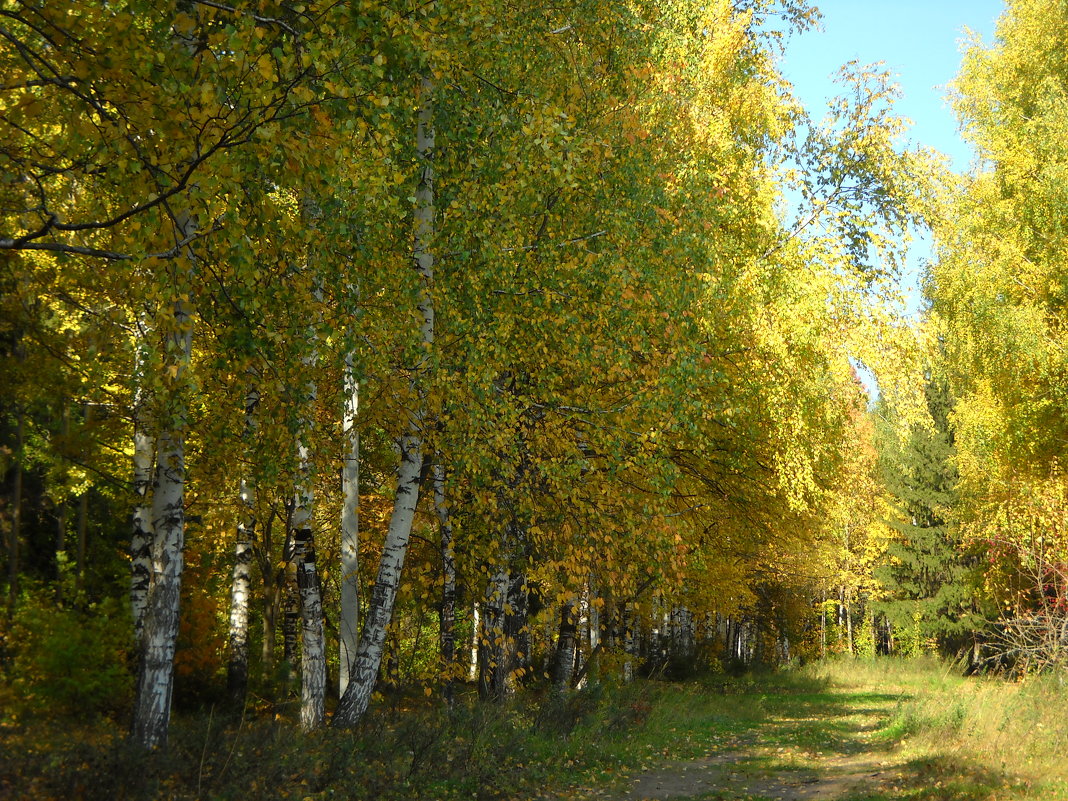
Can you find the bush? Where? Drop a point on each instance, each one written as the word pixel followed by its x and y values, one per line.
pixel 70 661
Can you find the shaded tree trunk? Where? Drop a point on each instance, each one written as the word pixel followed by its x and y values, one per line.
pixel 159 628
pixel 290 619
pixel 141 536
pixel 13 544
pixel 348 619
pixel 447 626
pixel 241 578
pixel 357 696
pixel 566 648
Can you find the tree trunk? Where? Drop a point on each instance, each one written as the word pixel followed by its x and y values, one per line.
pixel 348 620
pixel 241 580
pixel 516 633
pixel 476 632
pixel 585 646
pixel 62 508
pixel 271 604
pixel 448 587
pixel 160 620
pixel 141 535
pixel 357 695
pixel 848 619
pixel 566 646
pixel 16 515
pixel 159 626
pixel 491 655
pixel 313 652
pixel 823 626
pixel 290 619
pixel 629 641
pixel 83 539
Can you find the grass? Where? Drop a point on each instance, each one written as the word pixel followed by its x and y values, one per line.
pixel 933 736
pixel 1015 729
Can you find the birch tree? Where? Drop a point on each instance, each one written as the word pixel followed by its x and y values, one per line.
pixel 368 659
pixel 350 525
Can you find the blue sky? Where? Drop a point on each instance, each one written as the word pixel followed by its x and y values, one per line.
pixel 920 42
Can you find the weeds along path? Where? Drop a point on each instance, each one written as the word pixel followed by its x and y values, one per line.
pixel 790 738
pixel 786 743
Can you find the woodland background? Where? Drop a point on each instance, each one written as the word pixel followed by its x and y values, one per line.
pixel 376 349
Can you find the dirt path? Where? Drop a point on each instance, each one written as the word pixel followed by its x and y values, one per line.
pixel 832 755
pixel 728 777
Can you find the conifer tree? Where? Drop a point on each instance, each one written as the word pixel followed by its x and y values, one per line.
pixel 928 577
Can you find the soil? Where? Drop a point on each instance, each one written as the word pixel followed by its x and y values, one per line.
pixel 852 766
pixel 726 776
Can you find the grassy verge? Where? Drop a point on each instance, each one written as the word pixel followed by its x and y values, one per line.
pixel 935 735
pixel 1017 729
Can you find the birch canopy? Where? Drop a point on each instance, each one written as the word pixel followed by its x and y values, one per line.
pixel 434 345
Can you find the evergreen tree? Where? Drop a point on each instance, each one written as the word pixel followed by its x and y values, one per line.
pixel 929 579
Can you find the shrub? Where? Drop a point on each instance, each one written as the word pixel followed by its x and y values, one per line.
pixel 70 661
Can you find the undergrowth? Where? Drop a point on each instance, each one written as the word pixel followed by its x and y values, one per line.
pixel 986 734
pixel 1016 727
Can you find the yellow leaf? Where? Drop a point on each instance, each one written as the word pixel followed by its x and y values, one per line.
pixel 265 66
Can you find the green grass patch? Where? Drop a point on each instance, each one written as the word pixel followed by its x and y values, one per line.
pixel 934 735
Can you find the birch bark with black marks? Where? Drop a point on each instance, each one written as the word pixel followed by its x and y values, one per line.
pixel 593 637
pixel 348 620
pixel 585 647
pixel 476 634
pixel 313 642
pixel 369 652
pixel 290 614
pixel 566 647
pixel 313 651
pixel 241 578
pixel 141 535
pixel 491 638
pixel 152 707
pixel 447 615
pixel 630 642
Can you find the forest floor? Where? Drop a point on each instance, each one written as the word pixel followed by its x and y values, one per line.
pixel 853 730
pixel 856 731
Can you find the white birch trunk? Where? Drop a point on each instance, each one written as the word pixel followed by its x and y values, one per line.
pixel 629 640
pixel 566 647
pixel 585 645
pixel 141 535
pixel 313 652
pixel 448 585
pixel 152 707
pixel 241 580
pixel 594 624
pixel 313 644
pixel 348 621
pixel 476 628
pixel 369 652
pixel 491 659
pixel 362 679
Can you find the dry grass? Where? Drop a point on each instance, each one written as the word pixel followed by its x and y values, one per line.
pixel 1019 728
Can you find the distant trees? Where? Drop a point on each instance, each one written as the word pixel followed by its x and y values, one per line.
pixel 998 291
pixel 606 405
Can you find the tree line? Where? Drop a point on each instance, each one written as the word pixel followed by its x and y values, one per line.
pixel 462 342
